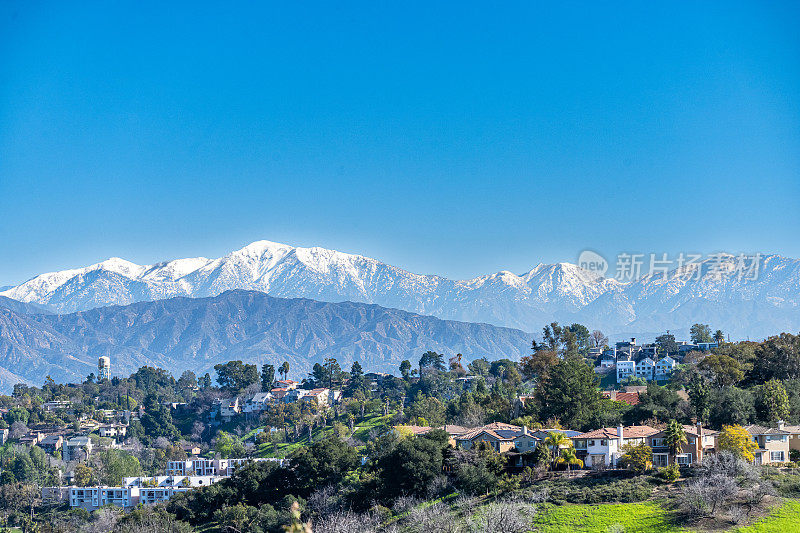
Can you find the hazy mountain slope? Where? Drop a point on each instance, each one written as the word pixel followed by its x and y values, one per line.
pixel 197 333
pixel 562 292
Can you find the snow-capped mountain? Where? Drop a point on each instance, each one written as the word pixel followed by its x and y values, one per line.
pixel 563 291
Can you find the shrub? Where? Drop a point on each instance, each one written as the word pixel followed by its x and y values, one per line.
pixel 669 473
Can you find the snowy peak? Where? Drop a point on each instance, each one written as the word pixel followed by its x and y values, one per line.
pixel 718 290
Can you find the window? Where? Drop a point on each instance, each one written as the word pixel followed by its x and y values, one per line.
pixel 591 443
pixel 684 459
pixel 658 442
pixel 604 442
pixel 776 457
pixel 660 459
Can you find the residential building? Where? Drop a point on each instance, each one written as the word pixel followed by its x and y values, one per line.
pixel 112 430
pixel 287 384
pixel 3 436
pixel 644 369
pixel 77 448
pixel 498 435
pixel 257 403
pixel 699 442
pixel 794 436
pixel 631 398
pixel 625 369
pixel 664 368
pixel 773 444
pixel 31 439
pixel 51 443
pixel 603 447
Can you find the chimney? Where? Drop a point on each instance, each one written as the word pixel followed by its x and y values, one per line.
pixel 781 423
pixel 524 430
pixel 698 446
pixel 633 341
pixel 620 434
pixel 613 395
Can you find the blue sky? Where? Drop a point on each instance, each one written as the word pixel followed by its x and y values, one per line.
pixel 456 139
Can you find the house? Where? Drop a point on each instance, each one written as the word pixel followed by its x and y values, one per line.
pixel 664 368
pixel 51 443
pixel 608 361
pixel 56 405
pixel 498 435
pixel 3 436
pixel 773 444
pixel 625 369
pixel 227 409
pixel 112 430
pixel 287 384
pixel 794 435
pixel 257 403
pixel 324 397
pixel 602 448
pixel 631 398
pixel 644 369
pixel 77 448
pixel 31 439
pixel 191 449
pixel 699 442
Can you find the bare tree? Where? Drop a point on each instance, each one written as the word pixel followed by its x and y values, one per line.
pixel 507 516
pixel 346 522
pixel 598 338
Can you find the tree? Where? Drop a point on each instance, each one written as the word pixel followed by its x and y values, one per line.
pixel 235 376
pixel 187 380
pixel 569 458
pixel 228 445
pixel 432 361
pixel 538 363
pixel 410 467
pixel 267 377
pixel 83 476
pixel 666 343
pixel 284 369
pixel 674 436
pixel 639 458
pixel 700 333
pixel 699 397
pixel 725 370
pixel 356 381
pixel 555 441
pixel 205 382
pixel 112 465
pixel 555 338
pixel 569 393
pixel 777 357
pixel 772 401
pixel 583 339
pixel 332 371
pixel 730 406
pixel 719 337
pixel 405 369
pixel 599 339
pixel 736 440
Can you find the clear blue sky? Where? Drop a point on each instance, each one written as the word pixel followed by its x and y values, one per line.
pixel 460 139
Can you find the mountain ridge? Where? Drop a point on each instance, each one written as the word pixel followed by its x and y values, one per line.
pixel 184 333
pixel 562 291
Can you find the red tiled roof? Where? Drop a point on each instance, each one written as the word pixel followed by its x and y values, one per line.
pixel 628 432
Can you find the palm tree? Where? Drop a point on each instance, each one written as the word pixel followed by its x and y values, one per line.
pixel 674 436
pixel 719 337
pixel 556 440
pixel 284 369
pixel 569 458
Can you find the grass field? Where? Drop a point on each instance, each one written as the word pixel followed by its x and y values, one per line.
pixel 645 517
pixel 783 518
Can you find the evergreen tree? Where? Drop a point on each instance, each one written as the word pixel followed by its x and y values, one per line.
pixel 267 377
pixel 569 393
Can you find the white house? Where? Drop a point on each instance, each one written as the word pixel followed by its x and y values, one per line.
pixel 257 403
pixel 625 369
pixel 602 448
pixel 644 368
pixel 664 367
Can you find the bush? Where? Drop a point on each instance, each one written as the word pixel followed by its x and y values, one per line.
pixel 669 473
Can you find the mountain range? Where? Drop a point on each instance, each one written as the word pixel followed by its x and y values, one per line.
pixel 183 333
pixel 563 292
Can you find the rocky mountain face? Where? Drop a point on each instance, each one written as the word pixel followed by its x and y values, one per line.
pixel 564 292
pixel 196 333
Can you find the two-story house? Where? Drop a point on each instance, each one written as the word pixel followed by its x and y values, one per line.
pixel 699 442
pixel 603 447
pixel 644 369
pixel 664 368
pixel 625 369
pixel 773 444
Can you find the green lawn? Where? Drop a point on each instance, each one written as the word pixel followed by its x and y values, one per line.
pixel 783 518
pixel 645 517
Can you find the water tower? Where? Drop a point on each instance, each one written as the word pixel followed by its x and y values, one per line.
pixel 104 368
